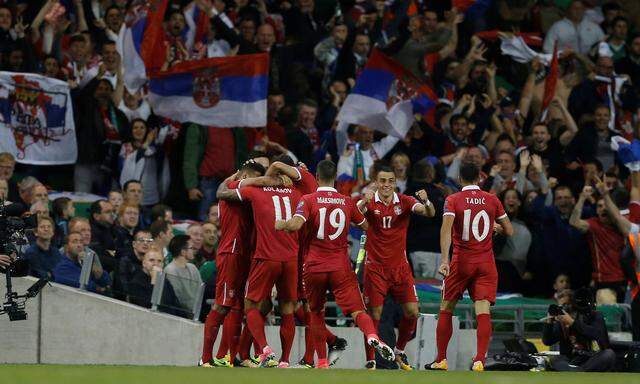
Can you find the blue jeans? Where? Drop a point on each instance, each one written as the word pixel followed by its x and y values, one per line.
pixel 208 186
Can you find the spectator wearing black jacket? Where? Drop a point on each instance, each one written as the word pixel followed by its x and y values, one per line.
pixel 100 130
pixel 130 261
pixel 575 328
pixel 103 239
pixel 143 281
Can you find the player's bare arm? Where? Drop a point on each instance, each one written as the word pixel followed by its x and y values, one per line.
pixel 267 181
pixel 425 208
pixel 280 168
pixel 445 243
pixel 291 225
pixel 575 219
pixel 226 193
pixel 623 224
pixel 362 203
pixel 506 228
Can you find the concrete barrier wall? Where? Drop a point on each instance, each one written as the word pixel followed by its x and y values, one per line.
pixel 69 326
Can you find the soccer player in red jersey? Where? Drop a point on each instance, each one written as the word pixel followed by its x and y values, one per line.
pixel 387 270
pixel 306 183
pixel 275 262
pixel 232 263
pixel 469 219
pixel 327 215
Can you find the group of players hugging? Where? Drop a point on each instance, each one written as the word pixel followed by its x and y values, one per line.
pixel 283 227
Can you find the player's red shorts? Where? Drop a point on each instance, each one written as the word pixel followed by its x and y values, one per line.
pixel 231 280
pixel 266 273
pixel 634 212
pixel 343 284
pixel 379 281
pixel 480 279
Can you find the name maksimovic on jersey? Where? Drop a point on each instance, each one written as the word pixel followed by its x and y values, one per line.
pixel 330 200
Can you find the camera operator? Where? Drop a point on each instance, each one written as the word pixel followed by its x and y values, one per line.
pixel 576 327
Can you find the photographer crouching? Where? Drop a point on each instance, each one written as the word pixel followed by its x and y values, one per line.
pixel 576 327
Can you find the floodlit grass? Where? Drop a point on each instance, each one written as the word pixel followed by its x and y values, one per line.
pixel 87 374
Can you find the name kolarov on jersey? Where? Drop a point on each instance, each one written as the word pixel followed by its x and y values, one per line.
pixel 276 189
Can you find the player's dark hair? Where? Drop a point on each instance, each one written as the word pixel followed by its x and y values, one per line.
pixel 469 173
pixel 285 159
pixel 177 244
pixel 326 170
pixel 384 168
pixel 256 154
pixel 252 166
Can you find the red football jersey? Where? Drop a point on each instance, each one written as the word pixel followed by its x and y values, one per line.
pixel 387 233
pixel 327 215
pixel 306 182
pixel 270 204
pixel 475 213
pixel 236 227
pixel 606 245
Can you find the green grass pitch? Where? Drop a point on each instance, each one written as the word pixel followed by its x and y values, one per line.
pixel 86 374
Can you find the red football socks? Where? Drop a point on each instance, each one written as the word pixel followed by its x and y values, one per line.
pixel 255 322
pixel 211 327
pixel 319 336
pixel 483 336
pixel 223 348
pixel 236 327
pixel 370 352
pixel 309 341
pixel 246 339
pixel 406 328
pixel 287 333
pixel 443 334
pixel 364 322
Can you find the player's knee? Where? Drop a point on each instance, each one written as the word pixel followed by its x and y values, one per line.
pixel 410 311
pixel 482 307
pixel 375 313
pixel 448 306
pixel 220 309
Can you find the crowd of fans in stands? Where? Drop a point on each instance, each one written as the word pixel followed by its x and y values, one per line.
pixel 489 113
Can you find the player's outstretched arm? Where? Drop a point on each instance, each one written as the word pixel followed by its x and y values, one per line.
pixel 575 219
pixel 291 225
pixel 425 208
pixel 267 181
pixel 278 167
pixel 225 193
pixel 445 243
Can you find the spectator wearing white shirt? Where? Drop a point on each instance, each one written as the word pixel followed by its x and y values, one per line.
pixel 370 150
pixel 574 31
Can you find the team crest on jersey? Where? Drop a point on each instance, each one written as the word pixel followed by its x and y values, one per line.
pixel 232 293
pixel 376 212
pixel 397 209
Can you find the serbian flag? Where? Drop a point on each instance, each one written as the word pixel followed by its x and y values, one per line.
pixel 628 152
pixel 222 92
pixel 198 29
pixel 142 41
pixel 550 83
pixel 386 97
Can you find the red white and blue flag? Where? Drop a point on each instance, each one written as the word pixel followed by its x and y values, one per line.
pixel 36 119
pixel 142 41
pixel 221 92
pixel 386 97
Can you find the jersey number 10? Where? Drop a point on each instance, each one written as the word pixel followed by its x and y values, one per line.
pixel 475 223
